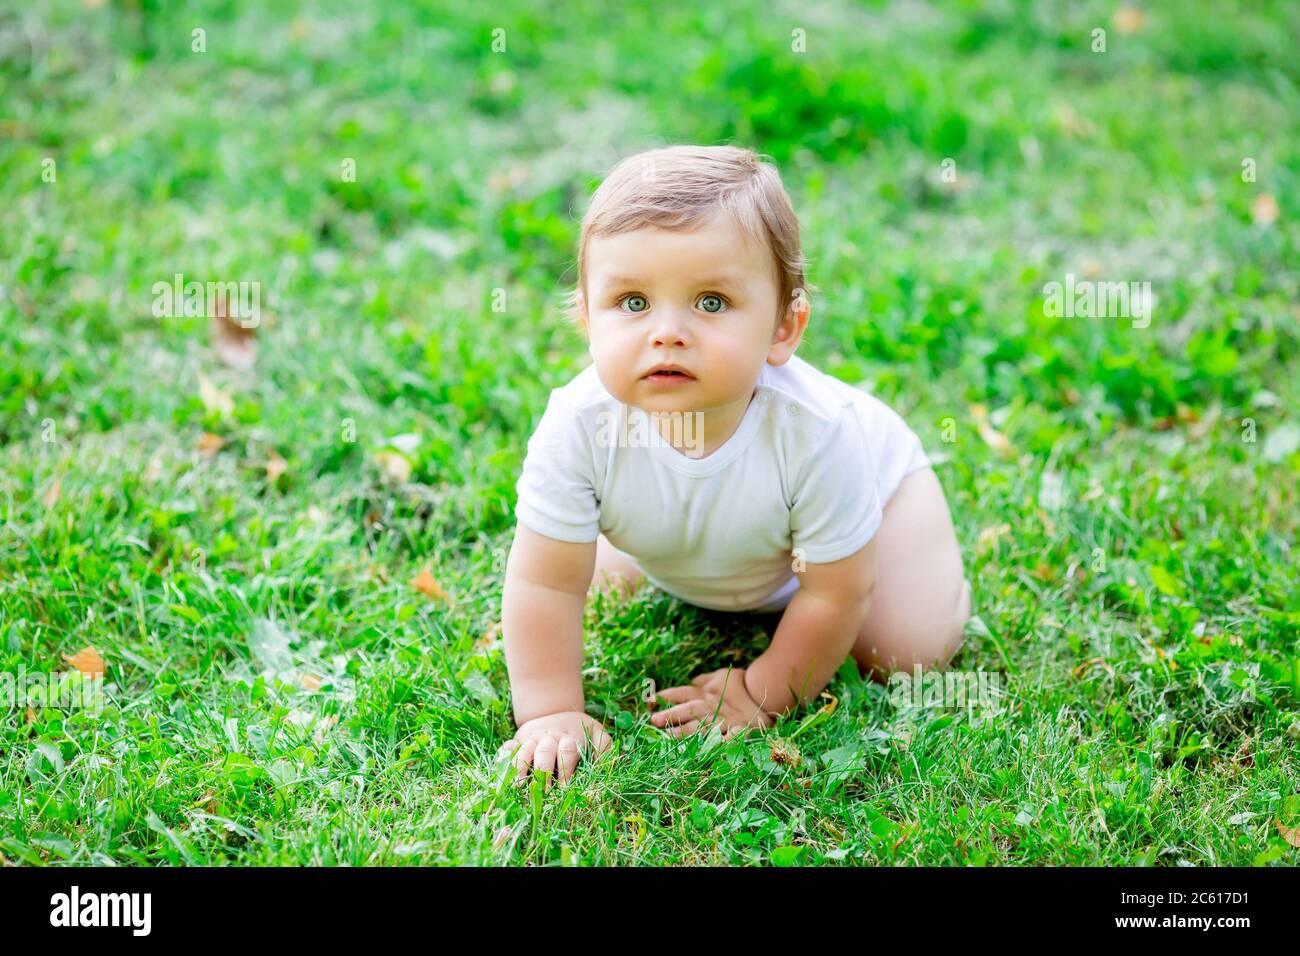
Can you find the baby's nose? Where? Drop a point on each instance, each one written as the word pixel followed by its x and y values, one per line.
pixel 668 338
pixel 669 330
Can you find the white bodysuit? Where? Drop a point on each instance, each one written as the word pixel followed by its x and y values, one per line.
pixel 804 477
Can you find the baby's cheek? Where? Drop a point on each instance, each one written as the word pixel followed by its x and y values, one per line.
pixel 612 368
pixel 734 364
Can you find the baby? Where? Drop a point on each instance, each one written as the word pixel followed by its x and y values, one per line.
pixel 700 453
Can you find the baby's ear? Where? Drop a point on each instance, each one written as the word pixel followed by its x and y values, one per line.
pixel 799 304
pixel 576 309
pixel 580 312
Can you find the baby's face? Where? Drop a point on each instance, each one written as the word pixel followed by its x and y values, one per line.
pixel 704 300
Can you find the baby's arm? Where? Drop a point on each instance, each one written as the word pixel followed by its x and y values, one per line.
pixel 817 632
pixel 542 606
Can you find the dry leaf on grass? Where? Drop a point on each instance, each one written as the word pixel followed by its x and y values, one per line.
pixel 52 496
pixel 489 638
pixel 992 437
pixel 16 294
pixel 426 584
pixel 209 444
pixel 214 399
pixel 235 344
pixel 1290 834
pixel 87 660
pixel 395 467
pixel 275 467
pixel 1264 210
pixel 1093 662
pixel 1128 20
pixel 988 538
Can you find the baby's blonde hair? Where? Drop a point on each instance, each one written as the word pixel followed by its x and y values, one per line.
pixel 680 187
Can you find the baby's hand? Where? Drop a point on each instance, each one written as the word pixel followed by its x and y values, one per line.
pixel 699 701
pixel 544 742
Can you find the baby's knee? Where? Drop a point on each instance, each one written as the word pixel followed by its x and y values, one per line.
pixel 951 635
pixel 939 645
pixel 962 616
pixel 905 644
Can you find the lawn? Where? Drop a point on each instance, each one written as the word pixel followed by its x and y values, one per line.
pixel 286 542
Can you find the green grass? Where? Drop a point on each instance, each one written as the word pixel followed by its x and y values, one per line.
pixel 1116 615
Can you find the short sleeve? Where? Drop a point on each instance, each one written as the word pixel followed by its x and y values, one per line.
pixel 556 489
pixel 835 506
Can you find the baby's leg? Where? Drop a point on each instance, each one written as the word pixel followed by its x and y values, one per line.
pixel 614 567
pixel 922 598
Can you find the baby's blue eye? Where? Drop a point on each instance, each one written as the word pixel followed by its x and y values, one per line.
pixel 635 303
pixel 710 303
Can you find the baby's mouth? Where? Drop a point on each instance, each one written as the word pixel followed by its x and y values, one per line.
pixel 671 374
